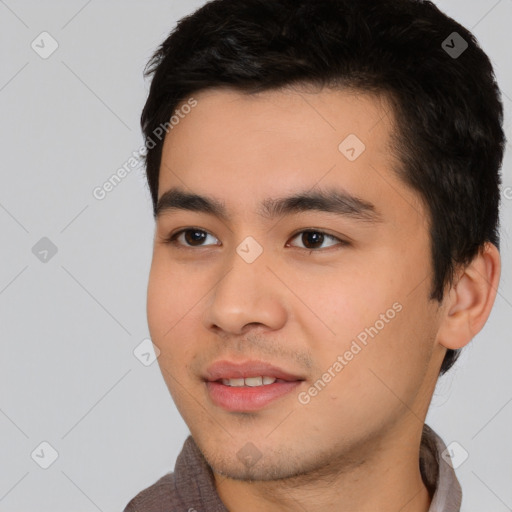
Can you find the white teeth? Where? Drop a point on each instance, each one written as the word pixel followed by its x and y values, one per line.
pixel 249 381
pixel 254 381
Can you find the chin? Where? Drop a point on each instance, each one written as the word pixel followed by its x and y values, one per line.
pixel 260 472
pixel 270 467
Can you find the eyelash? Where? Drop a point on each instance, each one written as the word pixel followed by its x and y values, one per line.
pixel 172 239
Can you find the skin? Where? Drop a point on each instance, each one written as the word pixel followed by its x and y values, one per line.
pixel 355 445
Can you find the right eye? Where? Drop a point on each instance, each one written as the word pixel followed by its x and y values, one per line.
pixel 192 236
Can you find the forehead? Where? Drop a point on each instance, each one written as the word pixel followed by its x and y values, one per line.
pixel 245 148
pixel 278 117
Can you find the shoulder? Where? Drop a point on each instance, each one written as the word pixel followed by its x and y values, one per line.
pixel 189 488
pixel 159 497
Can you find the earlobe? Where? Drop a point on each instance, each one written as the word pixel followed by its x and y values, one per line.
pixel 471 299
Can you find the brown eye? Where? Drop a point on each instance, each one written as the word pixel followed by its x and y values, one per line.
pixel 194 237
pixel 190 237
pixel 313 239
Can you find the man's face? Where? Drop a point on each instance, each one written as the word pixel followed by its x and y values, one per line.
pixel 337 299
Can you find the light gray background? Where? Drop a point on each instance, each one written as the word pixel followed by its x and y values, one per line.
pixel 68 327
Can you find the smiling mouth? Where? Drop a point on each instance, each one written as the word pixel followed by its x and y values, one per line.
pixel 250 381
pixel 247 386
pixel 250 396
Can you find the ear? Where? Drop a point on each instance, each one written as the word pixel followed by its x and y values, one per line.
pixel 470 299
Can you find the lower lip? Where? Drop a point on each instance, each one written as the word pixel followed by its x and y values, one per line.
pixel 246 398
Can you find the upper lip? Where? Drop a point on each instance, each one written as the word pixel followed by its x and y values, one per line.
pixel 230 370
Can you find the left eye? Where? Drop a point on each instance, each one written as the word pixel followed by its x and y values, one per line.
pixel 311 239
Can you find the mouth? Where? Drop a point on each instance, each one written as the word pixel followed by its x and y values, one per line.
pixel 252 382
pixel 249 386
pixel 248 370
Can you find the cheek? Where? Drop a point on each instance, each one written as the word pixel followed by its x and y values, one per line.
pixel 157 300
pixel 171 297
pixel 346 302
pixel 170 294
pixel 372 317
pixel 175 302
pixel 396 350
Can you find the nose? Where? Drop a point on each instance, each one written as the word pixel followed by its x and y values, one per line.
pixel 246 293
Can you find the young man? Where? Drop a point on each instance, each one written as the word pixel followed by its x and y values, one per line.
pixel 326 202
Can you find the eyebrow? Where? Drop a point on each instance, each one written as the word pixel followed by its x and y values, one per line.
pixel 332 200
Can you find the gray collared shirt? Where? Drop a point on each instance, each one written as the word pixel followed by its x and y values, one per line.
pixel 191 488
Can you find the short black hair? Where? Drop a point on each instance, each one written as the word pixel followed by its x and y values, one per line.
pixel 447 105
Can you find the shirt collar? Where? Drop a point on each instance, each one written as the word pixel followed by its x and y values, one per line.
pixel 438 473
